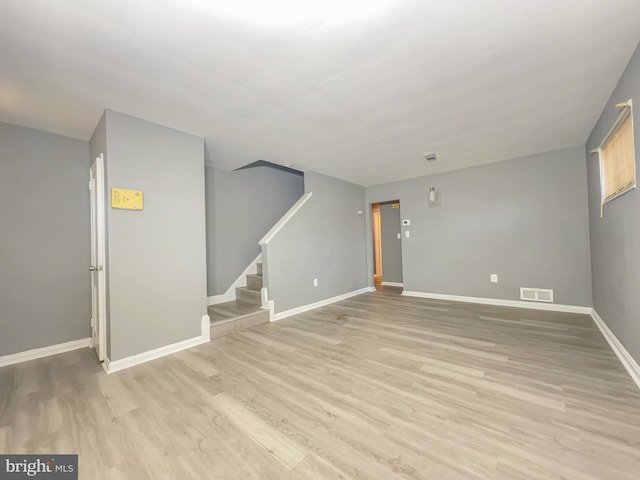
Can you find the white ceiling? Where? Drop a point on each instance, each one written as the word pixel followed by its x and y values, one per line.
pixel 476 81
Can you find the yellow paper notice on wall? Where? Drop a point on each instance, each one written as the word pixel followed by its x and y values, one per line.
pixel 126 199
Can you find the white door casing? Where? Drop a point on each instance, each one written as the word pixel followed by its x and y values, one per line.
pixel 377 241
pixel 98 267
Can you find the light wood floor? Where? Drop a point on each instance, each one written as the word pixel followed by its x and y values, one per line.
pixel 228 310
pixel 376 387
pixel 387 289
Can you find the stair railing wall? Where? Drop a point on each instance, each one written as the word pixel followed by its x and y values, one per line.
pixel 264 246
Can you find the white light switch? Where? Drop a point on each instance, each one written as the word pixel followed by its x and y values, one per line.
pixel 407 234
pixel 494 278
pixel 399 235
pixel 315 282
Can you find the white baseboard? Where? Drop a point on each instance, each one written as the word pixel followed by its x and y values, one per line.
pixel 127 362
pixel 241 281
pixel 36 353
pixel 625 357
pixel 266 303
pixel 133 360
pixel 392 284
pixel 106 363
pixel 321 303
pixel 552 307
pixel 205 327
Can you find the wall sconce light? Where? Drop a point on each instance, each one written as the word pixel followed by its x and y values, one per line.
pixel 432 194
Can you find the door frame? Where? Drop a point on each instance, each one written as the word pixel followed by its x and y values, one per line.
pixel 98 255
pixel 377 241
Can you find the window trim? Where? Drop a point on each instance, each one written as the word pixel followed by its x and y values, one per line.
pixel 627 111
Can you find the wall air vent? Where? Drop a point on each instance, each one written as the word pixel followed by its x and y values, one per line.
pixel 536 294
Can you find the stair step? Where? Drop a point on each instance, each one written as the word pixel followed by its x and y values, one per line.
pixel 230 325
pixel 245 295
pixel 259 264
pixel 254 282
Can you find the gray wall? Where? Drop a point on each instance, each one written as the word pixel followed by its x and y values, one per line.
pixel 391 244
pixel 241 207
pixel 44 244
pixel 615 239
pixel 157 258
pixel 324 240
pixel 524 219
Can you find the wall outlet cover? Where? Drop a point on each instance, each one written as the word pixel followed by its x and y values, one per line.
pixel 494 278
pixel 406 223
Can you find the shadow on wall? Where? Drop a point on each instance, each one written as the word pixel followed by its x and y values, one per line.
pixel 242 206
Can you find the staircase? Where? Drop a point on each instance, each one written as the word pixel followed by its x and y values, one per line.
pixel 245 312
pixel 251 293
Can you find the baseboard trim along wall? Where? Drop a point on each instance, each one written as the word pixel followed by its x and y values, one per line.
pixel 127 362
pixel 241 281
pixel 205 327
pixel 552 307
pixel 133 360
pixel 42 352
pixel 623 355
pixel 392 284
pixel 312 306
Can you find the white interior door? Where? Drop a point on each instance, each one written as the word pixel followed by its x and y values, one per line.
pixel 97 267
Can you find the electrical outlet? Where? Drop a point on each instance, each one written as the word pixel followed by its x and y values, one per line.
pixel 399 236
pixel 407 234
pixel 315 282
pixel 494 278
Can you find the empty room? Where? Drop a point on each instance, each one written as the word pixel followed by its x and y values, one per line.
pixel 300 239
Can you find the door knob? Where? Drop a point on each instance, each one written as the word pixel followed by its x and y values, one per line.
pixel 93 269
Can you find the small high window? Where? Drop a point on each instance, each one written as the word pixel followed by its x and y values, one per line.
pixel 617 157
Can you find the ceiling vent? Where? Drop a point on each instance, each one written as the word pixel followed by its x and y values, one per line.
pixel 536 294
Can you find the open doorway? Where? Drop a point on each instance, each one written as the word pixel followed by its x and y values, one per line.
pixel 387 246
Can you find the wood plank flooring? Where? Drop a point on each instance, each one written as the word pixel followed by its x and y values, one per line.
pixel 233 316
pixel 375 387
pixel 230 310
